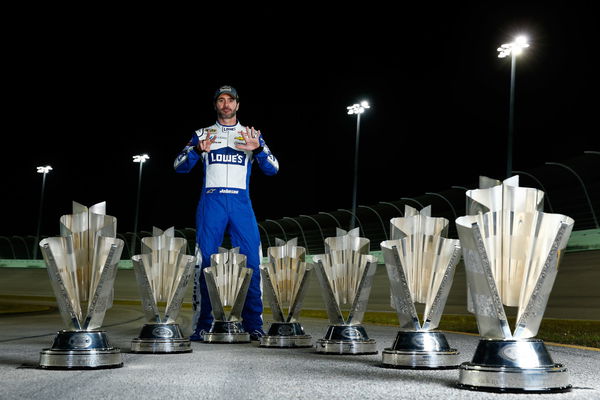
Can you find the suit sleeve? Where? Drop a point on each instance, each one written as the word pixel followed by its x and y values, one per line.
pixel 189 156
pixel 266 160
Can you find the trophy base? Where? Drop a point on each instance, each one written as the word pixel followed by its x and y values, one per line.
pixel 286 341
pixel 347 340
pixel 226 332
pixel 420 350
pixel 161 339
pixel 285 335
pixel 81 350
pixel 515 366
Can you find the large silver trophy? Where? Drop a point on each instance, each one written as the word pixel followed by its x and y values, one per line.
pixel 512 251
pixel 420 264
pixel 82 266
pixel 227 280
pixel 163 272
pixel 345 273
pixel 285 281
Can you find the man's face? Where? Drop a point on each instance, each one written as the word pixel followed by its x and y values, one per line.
pixel 226 106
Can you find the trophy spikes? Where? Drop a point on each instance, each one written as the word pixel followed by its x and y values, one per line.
pixel 82 266
pixel 420 265
pixel 345 274
pixel 227 280
pixel 163 272
pixel 511 250
pixel 285 281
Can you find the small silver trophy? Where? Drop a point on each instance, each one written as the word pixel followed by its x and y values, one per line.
pixel 227 280
pixel 82 266
pixel 511 251
pixel 163 272
pixel 345 273
pixel 420 264
pixel 285 281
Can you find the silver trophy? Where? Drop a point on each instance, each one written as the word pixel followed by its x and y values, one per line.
pixel 345 273
pixel 227 280
pixel 512 251
pixel 163 272
pixel 82 266
pixel 420 264
pixel 285 281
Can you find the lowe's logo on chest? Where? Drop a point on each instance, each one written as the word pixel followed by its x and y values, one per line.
pixel 232 158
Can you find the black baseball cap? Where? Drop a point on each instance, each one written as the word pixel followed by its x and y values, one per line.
pixel 226 89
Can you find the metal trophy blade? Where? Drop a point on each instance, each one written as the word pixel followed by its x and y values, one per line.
pixel 227 280
pixel 345 273
pixel 163 272
pixel 82 266
pixel 512 251
pixel 420 264
pixel 285 281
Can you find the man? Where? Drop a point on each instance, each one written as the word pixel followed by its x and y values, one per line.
pixel 227 151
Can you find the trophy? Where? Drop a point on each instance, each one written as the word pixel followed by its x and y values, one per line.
pixel 512 251
pixel 285 281
pixel 227 280
pixel 420 264
pixel 82 265
pixel 345 273
pixel 163 272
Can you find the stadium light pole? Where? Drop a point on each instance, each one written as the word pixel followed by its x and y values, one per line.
pixel 512 49
pixel 356 109
pixel 141 159
pixel 44 171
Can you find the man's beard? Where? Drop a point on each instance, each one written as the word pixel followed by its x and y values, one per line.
pixel 227 115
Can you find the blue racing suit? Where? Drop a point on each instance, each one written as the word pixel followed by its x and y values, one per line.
pixel 225 207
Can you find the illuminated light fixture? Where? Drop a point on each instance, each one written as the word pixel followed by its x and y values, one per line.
pixel 141 158
pixel 44 170
pixel 358 108
pixel 516 47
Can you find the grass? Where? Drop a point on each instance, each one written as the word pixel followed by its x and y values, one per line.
pixel 563 331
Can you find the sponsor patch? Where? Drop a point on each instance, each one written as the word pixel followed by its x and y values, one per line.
pixel 237 158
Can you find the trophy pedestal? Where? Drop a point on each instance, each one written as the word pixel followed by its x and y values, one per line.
pixel 286 334
pixel 227 332
pixel 81 350
pixel 161 339
pixel 516 366
pixel 346 339
pixel 420 350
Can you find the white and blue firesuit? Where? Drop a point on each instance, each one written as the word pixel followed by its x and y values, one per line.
pixel 225 207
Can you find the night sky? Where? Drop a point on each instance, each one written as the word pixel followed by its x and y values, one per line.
pixel 85 90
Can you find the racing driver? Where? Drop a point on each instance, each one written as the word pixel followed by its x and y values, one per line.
pixel 227 151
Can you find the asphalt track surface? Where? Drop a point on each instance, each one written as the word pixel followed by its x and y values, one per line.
pixel 246 371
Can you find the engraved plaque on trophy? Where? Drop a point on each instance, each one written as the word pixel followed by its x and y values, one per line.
pixel 345 273
pixel 512 251
pixel 227 280
pixel 163 272
pixel 82 266
pixel 420 264
pixel 285 281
